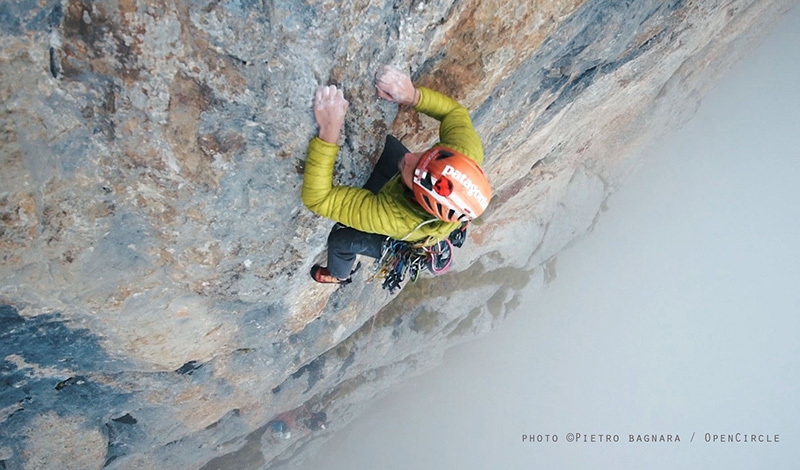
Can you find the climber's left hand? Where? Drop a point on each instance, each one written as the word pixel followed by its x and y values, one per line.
pixel 329 110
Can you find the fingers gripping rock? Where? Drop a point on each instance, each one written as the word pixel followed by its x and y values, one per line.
pixel 329 97
pixel 330 107
pixel 395 85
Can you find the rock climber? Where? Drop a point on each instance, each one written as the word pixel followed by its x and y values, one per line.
pixel 420 198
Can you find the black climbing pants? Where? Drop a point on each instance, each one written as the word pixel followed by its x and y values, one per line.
pixel 345 243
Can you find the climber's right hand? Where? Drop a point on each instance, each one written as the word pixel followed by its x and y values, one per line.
pixel 394 85
pixel 329 110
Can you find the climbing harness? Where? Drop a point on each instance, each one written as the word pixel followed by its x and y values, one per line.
pixel 400 259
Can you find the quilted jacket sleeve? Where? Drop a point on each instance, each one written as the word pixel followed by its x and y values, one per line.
pixel 456 130
pixel 354 207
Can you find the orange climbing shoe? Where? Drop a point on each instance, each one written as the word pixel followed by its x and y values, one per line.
pixel 323 276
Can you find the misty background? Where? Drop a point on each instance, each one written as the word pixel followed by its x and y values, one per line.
pixel 678 315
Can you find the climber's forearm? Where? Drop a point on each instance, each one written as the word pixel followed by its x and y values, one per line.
pixel 330 108
pixel 456 129
pixel 330 134
pixel 434 104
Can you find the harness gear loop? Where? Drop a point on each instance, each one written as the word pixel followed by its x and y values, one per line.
pixel 400 259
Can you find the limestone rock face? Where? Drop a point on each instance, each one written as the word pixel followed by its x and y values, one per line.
pixel 156 306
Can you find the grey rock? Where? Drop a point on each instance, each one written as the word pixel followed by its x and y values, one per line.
pixel 156 306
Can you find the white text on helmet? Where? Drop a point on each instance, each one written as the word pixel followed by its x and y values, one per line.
pixel 472 189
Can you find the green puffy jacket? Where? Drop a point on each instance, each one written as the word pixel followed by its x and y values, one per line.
pixel 391 212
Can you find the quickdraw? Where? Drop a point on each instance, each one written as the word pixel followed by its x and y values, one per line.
pixel 400 259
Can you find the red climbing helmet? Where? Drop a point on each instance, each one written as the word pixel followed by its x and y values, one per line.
pixel 450 185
